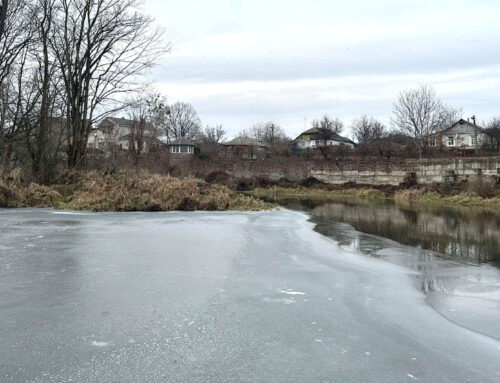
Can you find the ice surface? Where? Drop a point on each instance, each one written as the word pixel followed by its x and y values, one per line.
pixel 205 297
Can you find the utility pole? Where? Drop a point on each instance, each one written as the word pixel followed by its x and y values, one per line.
pixel 475 133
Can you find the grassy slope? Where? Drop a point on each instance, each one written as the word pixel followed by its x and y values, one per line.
pixel 123 191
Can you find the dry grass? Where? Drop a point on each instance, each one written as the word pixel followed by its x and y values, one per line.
pixel 404 197
pixel 482 187
pixel 15 192
pixel 465 199
pixel 123 191
pixel 283 195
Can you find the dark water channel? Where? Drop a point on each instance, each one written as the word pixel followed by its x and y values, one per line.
pixel 467 235
pixel 453 255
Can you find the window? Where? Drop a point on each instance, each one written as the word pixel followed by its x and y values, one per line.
pixel 472 140
pixel 432 142
pixel 451 141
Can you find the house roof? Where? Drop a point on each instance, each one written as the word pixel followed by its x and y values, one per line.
pixel 246 141
pixel 123 122
pixel 120 121
pixel 462 127
pixel 335 136
pixel 182 141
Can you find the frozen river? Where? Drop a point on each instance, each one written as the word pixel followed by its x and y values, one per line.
pixel 223 297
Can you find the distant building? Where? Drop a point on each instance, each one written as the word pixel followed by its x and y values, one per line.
pixel 311 139
pixel 182 146
pixel 119 133
pixel 246 147
pixel 462 135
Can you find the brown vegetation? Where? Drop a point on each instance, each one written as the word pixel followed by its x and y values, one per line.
pixel 464 199
pixel 16 192
pixel 286 195
pixel 122 191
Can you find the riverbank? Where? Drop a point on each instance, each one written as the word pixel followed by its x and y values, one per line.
pixel 424 196
pixel 139 190
pixel 124 190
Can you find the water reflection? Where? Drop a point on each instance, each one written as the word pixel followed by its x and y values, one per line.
pixel 465 235
pixel 453 253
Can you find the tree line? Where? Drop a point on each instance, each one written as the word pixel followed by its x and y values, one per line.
pixel 65 64
pixel 417 113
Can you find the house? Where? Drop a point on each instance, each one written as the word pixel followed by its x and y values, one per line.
pixel 462 135
pixel 246 147
pixel 311 139
pixel 182 146
pixel 120 133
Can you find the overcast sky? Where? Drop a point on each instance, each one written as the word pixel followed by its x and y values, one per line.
pixel 249 61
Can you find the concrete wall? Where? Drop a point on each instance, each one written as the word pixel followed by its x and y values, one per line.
pixel 455 169
pixel 423 172
pixel 368 177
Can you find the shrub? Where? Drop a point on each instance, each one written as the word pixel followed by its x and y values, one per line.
pixel 481 187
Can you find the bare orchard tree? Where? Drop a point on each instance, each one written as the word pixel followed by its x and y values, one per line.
pixel 182 122
pixel 366 129
pixel 269 132
pixel 102 46
pixel 141 132
pixel 419 112
pixel 158 112
pixel 211 140
pixel 327 128
pixel 214 134
pixel 493 129
pixel 333 125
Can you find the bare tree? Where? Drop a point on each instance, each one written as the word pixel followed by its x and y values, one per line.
pixel 182 121
pixel 101 46
pixel 143 135
pixel 15 34
pixel 328 128
pixel 214 134
pixel 419 112
pixel 366 129
pixel 4 6
pixel 158 112
pixel 39 147
pixel 333 125
pixel 269 132
pixel 493 129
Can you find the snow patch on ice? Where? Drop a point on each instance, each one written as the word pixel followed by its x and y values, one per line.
pixel 289 292
pixel 99 344
pixel 275 300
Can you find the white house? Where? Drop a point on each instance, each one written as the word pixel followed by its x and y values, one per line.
pixel 119 133
pixel 181 146
pixel 311 139
pixel 462 135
